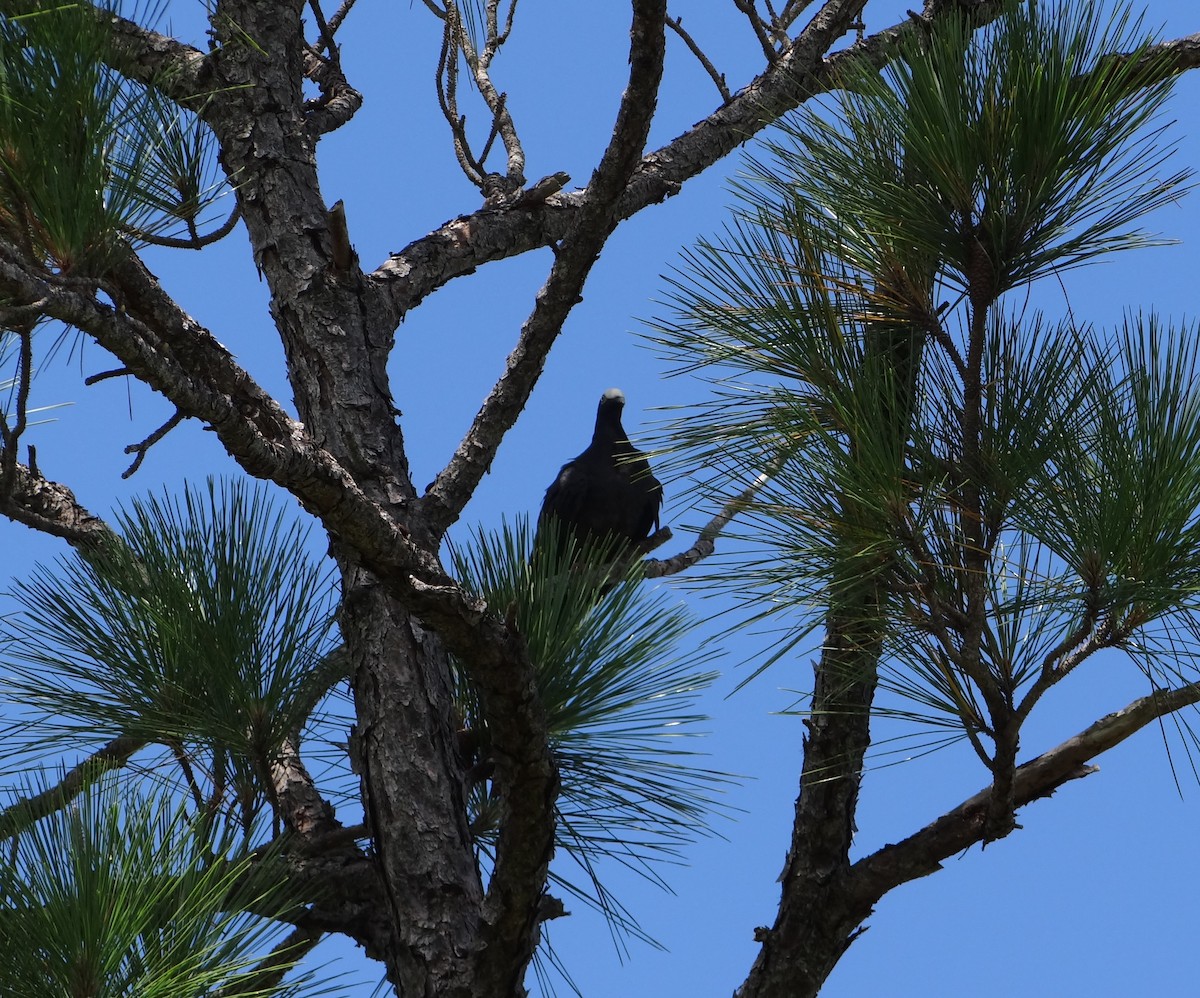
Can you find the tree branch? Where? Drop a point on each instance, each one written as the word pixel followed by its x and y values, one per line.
pixel 922 853
pixel 706 540
pixel 463 244
pixel 580 247
pixel 295 795
pixel 178 70
pixel 457 248
pixel 676 25
pixel 53 509
pixel 25 812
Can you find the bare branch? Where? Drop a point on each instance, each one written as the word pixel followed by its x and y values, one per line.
pixel 21 325
pixel 141 449
pixel 922 853
pixel 581 245
pixel 447 92
pixel 463 244
pixel 460 246
pixel 339 16
pixel 52 508
pixel 480 66
pixel 676 25
pixel 706 540
pixel 759 27
pixel 339 101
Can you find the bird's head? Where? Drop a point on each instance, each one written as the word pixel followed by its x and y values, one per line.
pixel 608 415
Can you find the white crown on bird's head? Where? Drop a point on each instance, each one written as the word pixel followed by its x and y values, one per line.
pixel 613 395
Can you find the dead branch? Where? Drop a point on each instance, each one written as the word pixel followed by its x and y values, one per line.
pixel 705 543
pixel 580 246
pixel 141 449
pixel 676 25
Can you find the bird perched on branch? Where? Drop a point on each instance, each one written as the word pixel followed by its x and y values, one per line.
pixel 607 493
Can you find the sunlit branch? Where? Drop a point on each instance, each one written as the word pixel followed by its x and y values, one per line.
pixel 339 101
pixel 141 449
pixel 705 543
pixel 922 853
pixel 676 25
pixel 52 508
pixel 294 795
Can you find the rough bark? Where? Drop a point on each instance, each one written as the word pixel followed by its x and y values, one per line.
pixel 418 901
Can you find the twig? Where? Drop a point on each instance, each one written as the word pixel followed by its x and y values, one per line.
pixel 196 243
pixel 10 436
pixel 95 379
pixel 676 25
pixel 141 449
pixel 706 540
pixel 447 94
pixel 339 16
pixel 760 29
pixel 326 37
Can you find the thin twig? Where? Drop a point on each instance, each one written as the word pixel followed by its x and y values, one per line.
pixel 196 243
pixel 676 25
pixel 141 449
pixel 95 379
pixel 705 543
pixel 760 28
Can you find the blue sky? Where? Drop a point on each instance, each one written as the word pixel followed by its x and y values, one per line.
pixel 1095 895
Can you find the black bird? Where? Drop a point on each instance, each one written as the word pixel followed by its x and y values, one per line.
pixel 607 492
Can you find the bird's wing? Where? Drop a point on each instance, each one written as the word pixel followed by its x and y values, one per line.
pixel 565 496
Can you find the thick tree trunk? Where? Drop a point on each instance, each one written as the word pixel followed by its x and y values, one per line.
pixel 337 344
pixel 405 752
pixel 817 917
